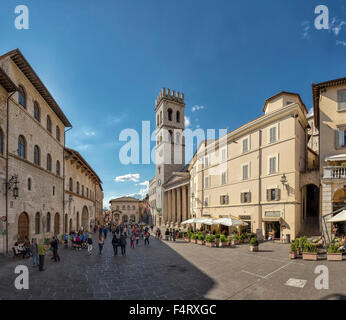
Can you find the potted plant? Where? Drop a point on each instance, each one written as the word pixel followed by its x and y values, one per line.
pixel 209 241
pixel 246 237
pixel 309 251
pixel 217 239
pixel 302 241
pixel 200 239
pixel 235 239
pixel 293 250
pixel 254 244
pixel 296 243
pixel 223 241
pixel 333 253
pixel 194 238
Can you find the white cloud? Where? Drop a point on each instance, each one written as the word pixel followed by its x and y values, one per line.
pixel 128 177
pixel 336 26
pixel 144 183
pixel 197 108
pixel 341 43
pixel 187 121
pixel 89 133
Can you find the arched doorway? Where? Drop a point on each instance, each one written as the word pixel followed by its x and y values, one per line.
pixel 57 223
pixel 77 222
pixel 85 218
pixel 66 223
pixel 23 227
pixel 310 210
pixel 125 218
pixel 70 226
pixel 339 202
pixel 133 218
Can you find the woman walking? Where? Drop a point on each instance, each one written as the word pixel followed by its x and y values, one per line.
pixel 101 242
pixel 90 244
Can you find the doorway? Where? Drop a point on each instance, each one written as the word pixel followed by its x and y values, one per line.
pixel 23 227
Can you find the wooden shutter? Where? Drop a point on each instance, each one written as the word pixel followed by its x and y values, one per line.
pixel 227 199
pixel 277 194
pixel 249 197
pixel 268 194
pixel 337 138
pixel 242 197
pixel 221 199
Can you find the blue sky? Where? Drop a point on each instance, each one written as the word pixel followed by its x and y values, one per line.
pixel 106 61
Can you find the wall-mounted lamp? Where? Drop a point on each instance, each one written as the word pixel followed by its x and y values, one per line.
pixel 283 179
pixel 12 184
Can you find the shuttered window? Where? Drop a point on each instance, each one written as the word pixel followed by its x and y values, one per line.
pixel 224 199
pixel 340 138
pixel 272 165
pixel 245 145
pixel 273 194
pixel 245 172
pixel 272 134
pixel 224 178
pixel 207 182
pixel 342 100
pixel 245 197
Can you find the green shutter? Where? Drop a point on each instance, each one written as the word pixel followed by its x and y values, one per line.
pixel 268 194
pixel 337 141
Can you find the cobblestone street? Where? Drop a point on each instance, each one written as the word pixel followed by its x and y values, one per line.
pixel 166 270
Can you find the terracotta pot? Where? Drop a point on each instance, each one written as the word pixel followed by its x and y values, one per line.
pixel 201 242
pixel 209 244
pixel 217 241
pixel 194 241
pixel 253 248
pixel 298 252
pixel 223 244
pixel 234 242
pixel 334 256
pixel 312 256
pixel 246 240
pixel 293 255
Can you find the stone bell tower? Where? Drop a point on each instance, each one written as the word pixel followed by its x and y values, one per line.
pixel 170 142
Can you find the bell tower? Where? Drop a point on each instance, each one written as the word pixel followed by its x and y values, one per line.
pixel 170 143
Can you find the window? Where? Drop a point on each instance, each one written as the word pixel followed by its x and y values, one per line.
pixel 178 116
pixel 37 223
pixel 22 96
pixel 37 155
pixel 272 134
pixel 29 184
pixel 245 197
pixel 273 194
pixel 1 142
pixel 133 208
pixel 224 199
pixel 206 201
pixel 157 121
pixel 22 147
pixel 177 138
pixel 128 207
pixel 170 112
pixel 246 145
pixel 57 133
pixel 58 168
pixel 206 162
pixel 342 100
pixel 77 187
pixel 272 165
pixel 49 124
pixel 160 117
pixel 206 184
pixel 53 190
pixel 223 155
pixel 48 222
pixel 123 207
pixel 246 172
pixel 49 162
pixel 224 177
pixel 70 185
pixel 340 138
pixel 87 192
pixel 37 111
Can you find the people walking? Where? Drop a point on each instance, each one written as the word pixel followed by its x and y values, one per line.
pixel 34 252
pixel 105 231
pixel 54 245
pixel 167 234
pixel 41 249
pixel 90 244
pixel 137 237
pixel 115 244
pixel 123 244
pixel 132 240
pixel 146 237
pixel 101 243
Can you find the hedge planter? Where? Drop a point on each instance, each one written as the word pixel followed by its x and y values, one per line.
pixel 293 255
pixel 253 248
pixel 334 256
pixel 209 244
pixel 223 244
pixel 201 242
pixel 312 256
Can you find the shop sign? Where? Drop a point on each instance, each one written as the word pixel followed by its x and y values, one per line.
pixel 245 217
pixel 272 214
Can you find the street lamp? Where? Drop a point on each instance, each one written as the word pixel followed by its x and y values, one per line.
pixel 283 179
pixel 12 184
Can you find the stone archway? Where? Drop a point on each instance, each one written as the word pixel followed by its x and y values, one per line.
pixel 57 223
pixel 339 197
pixel 133 218
pixel 310 210
pixel 23 227
pixel 85 218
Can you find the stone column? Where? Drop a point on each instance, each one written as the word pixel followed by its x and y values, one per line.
pixel 164 214
pixel 188 201
pixel 169 207
pixel 174 206
pixel 179 206
pixel 184 203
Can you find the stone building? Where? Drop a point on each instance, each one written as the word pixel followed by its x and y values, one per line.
pixel 329 100
pixel 125 210
pixel 32 159
pixel 82 193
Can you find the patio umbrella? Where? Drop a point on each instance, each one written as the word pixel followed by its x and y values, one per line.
pixel 230 222
pixel 340 217
pixel 193 220
pixel 208 221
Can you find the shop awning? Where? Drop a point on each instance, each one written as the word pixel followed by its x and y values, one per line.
pixel 340 217
pixel 230 222
pixel 338 157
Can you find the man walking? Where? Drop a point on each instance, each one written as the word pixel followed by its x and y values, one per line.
pixel 123 244
pixel 41 253
pixel 90 244
pixel 54 245
pixel 115 243
pixel 146 237
pixel 34 251
pixel 105 231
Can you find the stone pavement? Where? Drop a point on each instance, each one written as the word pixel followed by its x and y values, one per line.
pixel 179 270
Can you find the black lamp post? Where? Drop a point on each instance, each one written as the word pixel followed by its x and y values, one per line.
pixel 12 184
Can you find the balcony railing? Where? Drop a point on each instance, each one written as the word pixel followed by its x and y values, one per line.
pixel 334 173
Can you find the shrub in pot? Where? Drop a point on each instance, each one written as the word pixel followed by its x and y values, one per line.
pixel 293 251
pixel 254 244
pixel 333 253
pixel 296 243
pixel 309 251
pixel 302 241
pixel 194 238
pixel 246 237
pixel 209 241
pixel 223 241
pixel 200 239
pixel 236 239
pixel 217 239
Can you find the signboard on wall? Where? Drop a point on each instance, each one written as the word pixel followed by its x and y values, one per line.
pixel 272 214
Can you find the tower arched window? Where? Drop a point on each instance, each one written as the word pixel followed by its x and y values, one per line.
pixel 58 168
pixel 57 133
pixel 178 116
pixel 170 137
pixel 29 184
pixel 49 124
pixel 77 187
pixel 22 96
pixel 22 147
pixel 1 142
pixel 37 223
pixel 37 155
pixel 70 185
pixel 48 222
pixel 49 162
pixel 37 111
pixel 157 121
pixel 170 113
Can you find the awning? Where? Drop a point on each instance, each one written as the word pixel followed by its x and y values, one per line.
pixel 193 220
pixel 338 157
pixel 230 222
pixel 340 217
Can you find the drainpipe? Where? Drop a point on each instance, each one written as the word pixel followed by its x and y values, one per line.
pixel 260 182
pixel 63 172
pixel 6 183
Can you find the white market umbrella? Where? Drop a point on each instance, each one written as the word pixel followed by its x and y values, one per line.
pixel 193 220
pixel 208 221
pixel 230 222
pixel 340 217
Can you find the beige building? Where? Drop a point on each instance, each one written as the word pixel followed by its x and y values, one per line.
pixel 329 100
pixel 82 193
pixel 125 210
pixel 255 172
pixel 32 142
